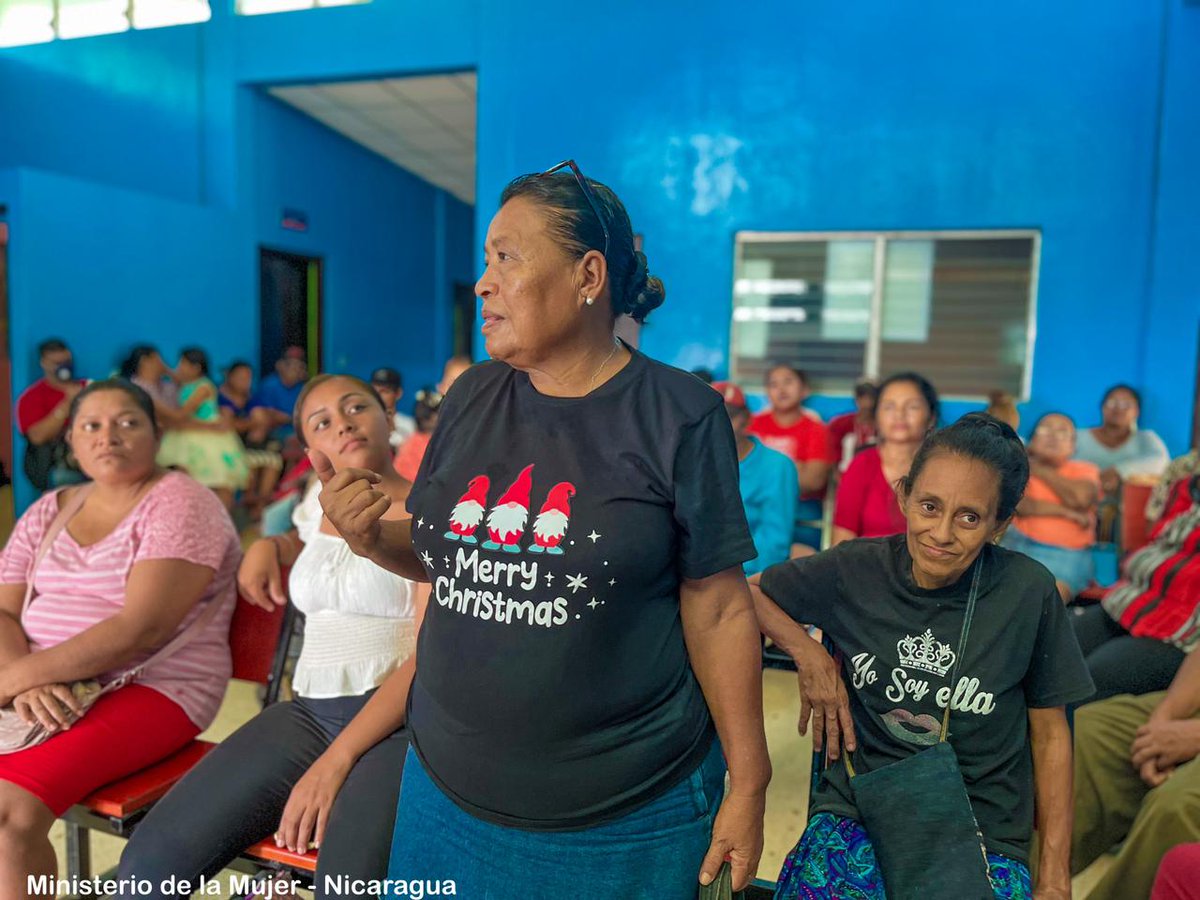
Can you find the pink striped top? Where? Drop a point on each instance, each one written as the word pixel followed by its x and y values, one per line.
pixel 77 587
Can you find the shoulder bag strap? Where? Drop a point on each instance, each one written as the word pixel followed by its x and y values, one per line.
pixel 962 644
pixel 57 524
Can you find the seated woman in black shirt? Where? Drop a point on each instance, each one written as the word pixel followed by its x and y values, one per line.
pixel 578 514
pixel 894 607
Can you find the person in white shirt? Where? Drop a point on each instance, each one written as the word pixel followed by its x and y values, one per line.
pixel 294 770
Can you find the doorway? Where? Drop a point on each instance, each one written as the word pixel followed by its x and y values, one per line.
pixel 289 307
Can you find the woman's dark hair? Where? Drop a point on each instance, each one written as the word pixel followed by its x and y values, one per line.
pixel 776 366
pixel 196 357
pixel 238 364
pixel 922 384
pixel 985 438
pixel 1137 397
pixel 573 222
pixel 131 390
pixel 130 364
pixel 319 380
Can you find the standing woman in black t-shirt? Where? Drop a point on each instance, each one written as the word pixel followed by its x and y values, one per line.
pixel 894 607
pixel 578 514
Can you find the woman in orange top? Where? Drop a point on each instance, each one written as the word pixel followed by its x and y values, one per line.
pixel 1056 521
pixel 412 451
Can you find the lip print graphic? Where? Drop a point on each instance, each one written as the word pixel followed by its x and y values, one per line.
pixel 506 521
pixel 550 526
pixel 922 730
pixel 468 511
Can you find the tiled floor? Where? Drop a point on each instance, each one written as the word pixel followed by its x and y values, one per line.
pixel 787 798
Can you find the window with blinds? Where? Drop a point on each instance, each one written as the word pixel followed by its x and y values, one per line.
pixel 956 306
pixel 39 21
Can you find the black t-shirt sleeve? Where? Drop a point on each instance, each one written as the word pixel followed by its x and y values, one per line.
pixel 806 589
pixel 713 534
pixel 1057 674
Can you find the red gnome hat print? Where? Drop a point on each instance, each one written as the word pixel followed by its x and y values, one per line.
pixel 550 526
pixel 468 511
pixel 506 521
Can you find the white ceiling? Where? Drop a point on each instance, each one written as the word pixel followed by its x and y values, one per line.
pixel 424 124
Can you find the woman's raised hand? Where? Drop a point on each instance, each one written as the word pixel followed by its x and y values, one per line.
pixel 351 503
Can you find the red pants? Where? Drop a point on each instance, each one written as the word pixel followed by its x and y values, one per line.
pixel 124 731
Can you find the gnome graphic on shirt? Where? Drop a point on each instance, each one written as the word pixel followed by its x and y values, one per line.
pixel 506 521
pixel 468 511
pixel 550 526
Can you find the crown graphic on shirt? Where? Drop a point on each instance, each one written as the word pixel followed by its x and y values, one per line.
pixel 926 653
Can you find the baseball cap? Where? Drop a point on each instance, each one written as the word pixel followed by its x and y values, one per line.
pixel 734 395
pixel 386 376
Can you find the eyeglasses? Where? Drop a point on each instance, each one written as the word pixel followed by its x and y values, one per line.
pixel 587 194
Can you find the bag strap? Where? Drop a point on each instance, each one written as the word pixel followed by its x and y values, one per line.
pixel 962 645
pixel 968 615
pixel 177 643
pixel 57 524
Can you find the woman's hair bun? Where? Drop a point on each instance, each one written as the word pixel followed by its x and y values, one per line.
pixel 645 292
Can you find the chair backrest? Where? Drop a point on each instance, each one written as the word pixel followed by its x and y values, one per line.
pixel 1135 530
pixel 258 643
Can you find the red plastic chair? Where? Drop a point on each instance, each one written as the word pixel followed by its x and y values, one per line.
pixel 1133 534
pixel 258 644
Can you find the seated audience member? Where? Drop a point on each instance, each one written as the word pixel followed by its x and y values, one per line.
pixel 277 392
pixel 1135 639
pixel 798 434
pixel 866 505
pixel 1003 406
pixel 42 418
pixel 852 431
pixel 1117 446
pixel 133 560
pixel 301 770
pixel 1056 520
pixel 705 375
pixel 144 366
pixel 1179 875
pixel 1177 470
pixel 768 485
pixel 390 388
pixel 203 444
pixel 1137 784
pixel 412 451
pixel 895 604
pixel 454 367
pixel 233 399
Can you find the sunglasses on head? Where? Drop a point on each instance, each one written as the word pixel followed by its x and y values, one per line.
pixel 588 194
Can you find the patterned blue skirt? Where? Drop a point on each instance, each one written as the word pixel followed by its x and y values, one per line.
pixel 834 860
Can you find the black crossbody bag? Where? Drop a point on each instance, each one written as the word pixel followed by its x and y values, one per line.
pixel 919 817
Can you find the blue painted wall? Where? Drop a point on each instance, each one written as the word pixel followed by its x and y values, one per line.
pixel 1080 121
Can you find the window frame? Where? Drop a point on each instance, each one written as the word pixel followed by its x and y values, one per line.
pixel 874 341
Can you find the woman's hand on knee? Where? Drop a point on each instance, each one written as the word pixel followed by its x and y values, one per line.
pixel 824 699
pixel 260 577
pixel 52 705
pixel 307 811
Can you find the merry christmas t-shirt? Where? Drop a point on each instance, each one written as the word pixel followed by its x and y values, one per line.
pixel 899 644
pixel 553 689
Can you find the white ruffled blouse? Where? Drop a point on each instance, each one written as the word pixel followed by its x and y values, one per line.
pixel 359 618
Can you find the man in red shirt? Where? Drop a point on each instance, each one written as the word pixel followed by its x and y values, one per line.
pixel 42 414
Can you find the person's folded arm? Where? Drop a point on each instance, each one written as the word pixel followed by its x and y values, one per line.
pixel 159 593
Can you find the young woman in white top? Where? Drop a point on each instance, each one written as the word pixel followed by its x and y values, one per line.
pixel 281 774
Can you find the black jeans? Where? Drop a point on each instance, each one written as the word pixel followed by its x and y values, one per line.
pixel 1119 662
pixel 235 797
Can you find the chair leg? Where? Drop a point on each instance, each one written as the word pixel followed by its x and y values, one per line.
pixel 79 852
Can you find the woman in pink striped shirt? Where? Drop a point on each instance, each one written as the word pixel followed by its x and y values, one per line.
pixel 145 555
